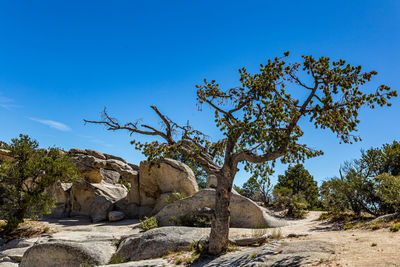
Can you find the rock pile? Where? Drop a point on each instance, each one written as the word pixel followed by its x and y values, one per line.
pixel 110 183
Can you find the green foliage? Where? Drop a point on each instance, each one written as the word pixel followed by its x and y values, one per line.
pixel 369 184
pixel 387 188
pixel 395 227
pixel 23 182
pixel 256 188
pixel 125 183
pixel 192 221
pixel 174 197
pixel 258 119
pixel 148 224
pixel 297 180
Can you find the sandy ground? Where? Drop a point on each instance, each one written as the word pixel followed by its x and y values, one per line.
pixel 356 247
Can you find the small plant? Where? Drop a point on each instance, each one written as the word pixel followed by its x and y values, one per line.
pixel 252 256
pixel 174 197
pixel 85 264
pixel 46 229
pixel 376 225
pixel 117 259
pixel 125 183
pixel 348 226
pixel 374 245
pixel 148 223
pixel 178 261
pixel 276 234
pixel 191 221
pixel 258 232
pixel 395 227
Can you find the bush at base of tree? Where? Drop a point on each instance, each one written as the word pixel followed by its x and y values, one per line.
pixel 24 180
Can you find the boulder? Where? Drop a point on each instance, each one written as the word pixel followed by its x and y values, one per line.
pixel 83 194
pixel 99 209
pixel 15 254
pixel 67 254
pixel 114 216
pixel 95 153
pixel 108 156
pixel 245 213
pixel 110 176
pixel 90 167
pixel 77 151
pixel 61 192
pixel 158 242
pixel 167 175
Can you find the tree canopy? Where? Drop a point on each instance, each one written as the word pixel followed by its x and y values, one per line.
pixel 259 120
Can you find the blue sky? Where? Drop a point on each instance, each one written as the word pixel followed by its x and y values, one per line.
pixel 63 61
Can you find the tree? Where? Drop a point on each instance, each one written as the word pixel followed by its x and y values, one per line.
pixel 363 185
pixel 24 180
pixel 298 181
pixel 257 189
pixel 260 122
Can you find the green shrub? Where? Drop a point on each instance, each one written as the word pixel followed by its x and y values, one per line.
pixel 25 180
pixel 191 221
pixel 148 223
pixel 174 197
pixel 125 183
pixel 395 227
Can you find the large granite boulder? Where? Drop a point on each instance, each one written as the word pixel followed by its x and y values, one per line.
pixel 67 254
pixel 61 193
pixel 158 242
pixel 245 213
pixel 84 193
pixel 167 175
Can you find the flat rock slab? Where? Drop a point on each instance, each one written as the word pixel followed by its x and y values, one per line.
pixel 14 254
pixel 277 253
pixel 144 263
pixel 8 264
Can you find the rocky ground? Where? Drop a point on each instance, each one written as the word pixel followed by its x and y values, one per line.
pixel 310 243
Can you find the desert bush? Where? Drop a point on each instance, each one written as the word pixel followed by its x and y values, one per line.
pixel 174 197
pixel 192 221
pixel 395 227
pixel 23 181
pixel 295 204
pixel 148 223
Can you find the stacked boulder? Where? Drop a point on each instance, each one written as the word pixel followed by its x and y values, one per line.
pixel 104 187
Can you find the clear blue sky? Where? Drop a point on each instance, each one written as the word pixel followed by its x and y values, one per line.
pixel 63 61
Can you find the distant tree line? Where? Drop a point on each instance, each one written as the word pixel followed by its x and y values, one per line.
pixel 370 184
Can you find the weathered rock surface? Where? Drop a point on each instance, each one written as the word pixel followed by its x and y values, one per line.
pixel 83 195
pixel 61 192
pixel 144 263
pixel 100 208
pixel 67 254
pixel 245 213
pixel 157 242
pixel 167 176
pixel 8 264
pixel 115 216
pixel 303 253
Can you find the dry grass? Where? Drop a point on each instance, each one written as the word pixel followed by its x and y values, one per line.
pixel 27 229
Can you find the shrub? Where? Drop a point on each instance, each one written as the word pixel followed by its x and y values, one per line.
pixel 192 221
pixel 23 182
pixel 174 197
pixel 395 227
pixel 148 223
pixel 125 183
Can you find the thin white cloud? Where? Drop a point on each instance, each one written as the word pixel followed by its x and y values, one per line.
pixel 6 102
pixel 53 124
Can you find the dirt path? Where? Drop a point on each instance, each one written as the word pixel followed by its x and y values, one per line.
pixel 358 247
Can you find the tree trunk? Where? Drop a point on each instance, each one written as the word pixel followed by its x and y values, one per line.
pixel 219 237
